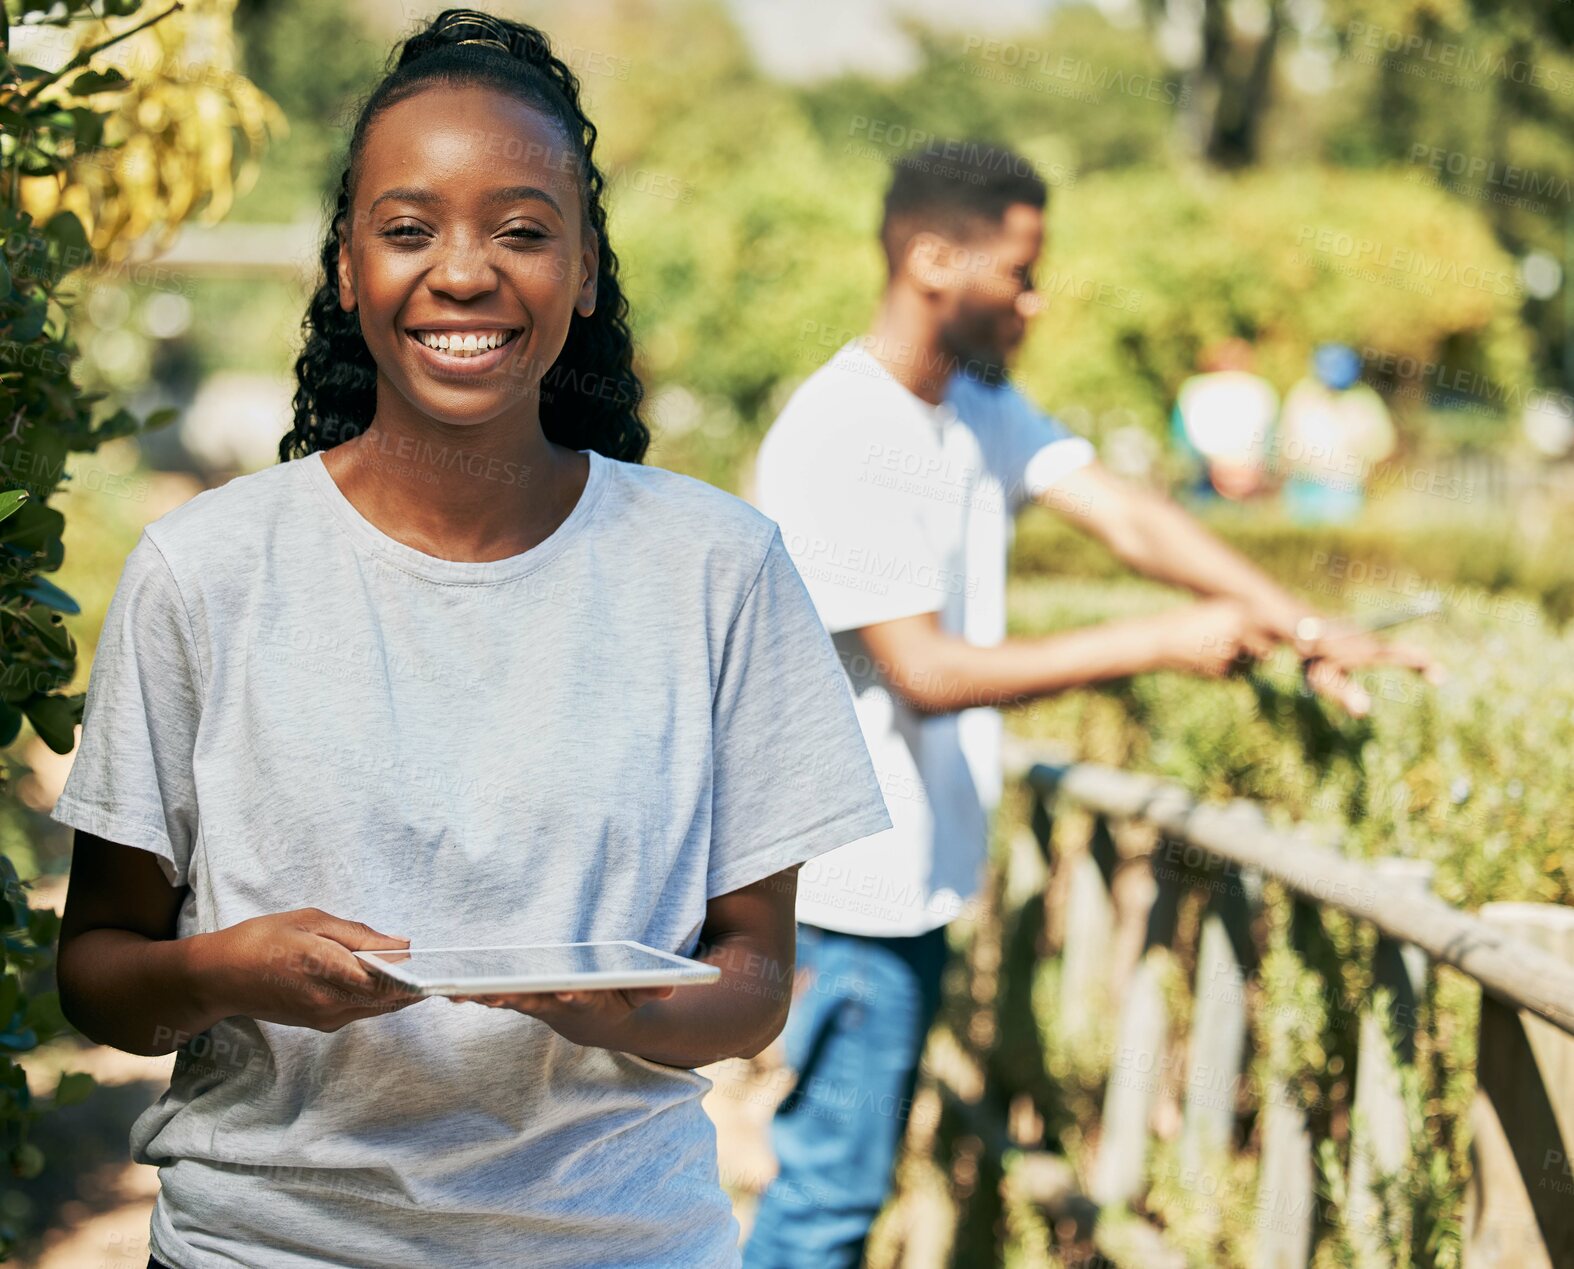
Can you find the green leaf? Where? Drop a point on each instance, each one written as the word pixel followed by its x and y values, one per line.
pixel 161 418
pixel 121 423
pixel 10 723
pixel 75 1087
pixel 29 324
pixel 5 279
pixel 43 926
pixel 43 1013
pixel 11 501
pixel 54 718
pixel 66 232
pixel 27 1161
pixel 54 120
pixel 45 592
pixel 19 1041
pixel 33 527
pixel 89 129
pixel 56 638
pixel 37 163
pixel 92 81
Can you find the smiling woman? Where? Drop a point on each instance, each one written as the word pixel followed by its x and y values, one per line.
pixel 469 118
pixel 460 670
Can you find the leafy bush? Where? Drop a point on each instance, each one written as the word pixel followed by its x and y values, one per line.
pixel 1383 560
pixel 1476 775
pixel 66 148
pixel 1144 269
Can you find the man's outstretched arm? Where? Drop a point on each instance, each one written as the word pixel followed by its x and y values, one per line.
pixel 938 672
pixel 1158 539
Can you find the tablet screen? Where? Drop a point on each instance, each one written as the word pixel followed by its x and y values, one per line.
pixel 543 967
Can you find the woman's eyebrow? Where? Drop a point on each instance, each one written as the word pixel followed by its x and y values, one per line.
pixel 506 194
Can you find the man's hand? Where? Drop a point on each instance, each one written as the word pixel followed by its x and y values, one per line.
pixel 595 1019
pixel 1159 540
pixel 1331 649
pixel 1339 648
pixel 1212 638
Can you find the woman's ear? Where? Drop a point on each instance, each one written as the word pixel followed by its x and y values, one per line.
pixel 346 276
pixel 590 265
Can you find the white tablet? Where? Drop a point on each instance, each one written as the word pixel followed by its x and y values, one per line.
pixel 474 971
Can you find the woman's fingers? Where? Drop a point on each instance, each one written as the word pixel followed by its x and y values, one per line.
pixel 546 1002
pixel 356 935
pixel 525 1002
pixel 641 995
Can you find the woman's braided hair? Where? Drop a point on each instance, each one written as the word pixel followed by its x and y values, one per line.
pixel 590 398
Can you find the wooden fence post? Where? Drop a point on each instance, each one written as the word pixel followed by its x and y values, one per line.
pixel 1217 1045
pixel 1090 929
pixel 1286 1177
pixel 1141 1050
pixel 1286 1185
pixel 1519 1205
pixel 1380 1144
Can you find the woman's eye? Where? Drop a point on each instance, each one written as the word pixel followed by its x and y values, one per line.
pixel 528 234
pixel 403 231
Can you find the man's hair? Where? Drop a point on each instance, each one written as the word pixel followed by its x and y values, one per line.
pixel 959 189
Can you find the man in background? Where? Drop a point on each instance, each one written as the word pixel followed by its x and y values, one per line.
pixel 895 472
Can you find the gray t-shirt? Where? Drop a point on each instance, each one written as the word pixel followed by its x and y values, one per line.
pixel 588 740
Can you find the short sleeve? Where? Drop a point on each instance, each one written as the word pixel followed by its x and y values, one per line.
pixel 792 777
pixel 1041 450
pixel 862 537
pixel 131 780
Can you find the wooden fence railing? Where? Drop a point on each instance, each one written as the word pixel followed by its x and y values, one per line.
pixel 1151 839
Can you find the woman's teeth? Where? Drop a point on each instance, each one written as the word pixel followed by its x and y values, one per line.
pixel 465 344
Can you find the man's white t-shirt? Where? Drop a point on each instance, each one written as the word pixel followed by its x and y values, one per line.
pixel 585 741
pixel 891 507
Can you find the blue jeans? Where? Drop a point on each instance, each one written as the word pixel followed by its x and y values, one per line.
pixel 854 1037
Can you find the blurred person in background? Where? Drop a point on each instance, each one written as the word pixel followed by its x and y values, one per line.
pixel 1222 422
pixel 1332 431
pixel 895 472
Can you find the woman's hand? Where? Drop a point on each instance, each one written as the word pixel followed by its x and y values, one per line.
pixel 596 1019
pixel 296 968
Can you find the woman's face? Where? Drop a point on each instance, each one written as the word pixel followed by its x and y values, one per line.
pixel 466 229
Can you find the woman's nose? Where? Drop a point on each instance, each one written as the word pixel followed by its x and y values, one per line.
pixel 463 271
pixel 1029 305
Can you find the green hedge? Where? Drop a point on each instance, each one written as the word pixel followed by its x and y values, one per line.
pixel 1476 775
pixel 1482 562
